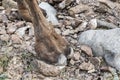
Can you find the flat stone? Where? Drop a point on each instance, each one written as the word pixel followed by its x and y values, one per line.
pixel 47 69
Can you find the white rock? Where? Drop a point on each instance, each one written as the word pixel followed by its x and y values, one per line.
pixel 67 32
pixel 50 11
pixel 92 24
pixel 81 27
pixel 62 5
pixel 21 31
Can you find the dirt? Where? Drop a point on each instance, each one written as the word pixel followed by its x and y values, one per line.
pixel 17 42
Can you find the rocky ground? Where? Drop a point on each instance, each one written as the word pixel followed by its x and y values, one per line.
pixel 76 16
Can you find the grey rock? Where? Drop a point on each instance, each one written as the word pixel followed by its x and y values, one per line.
pixel 105 43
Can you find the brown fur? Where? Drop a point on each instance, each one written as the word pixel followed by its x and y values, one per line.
pixel 23 10
pixel 49 45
